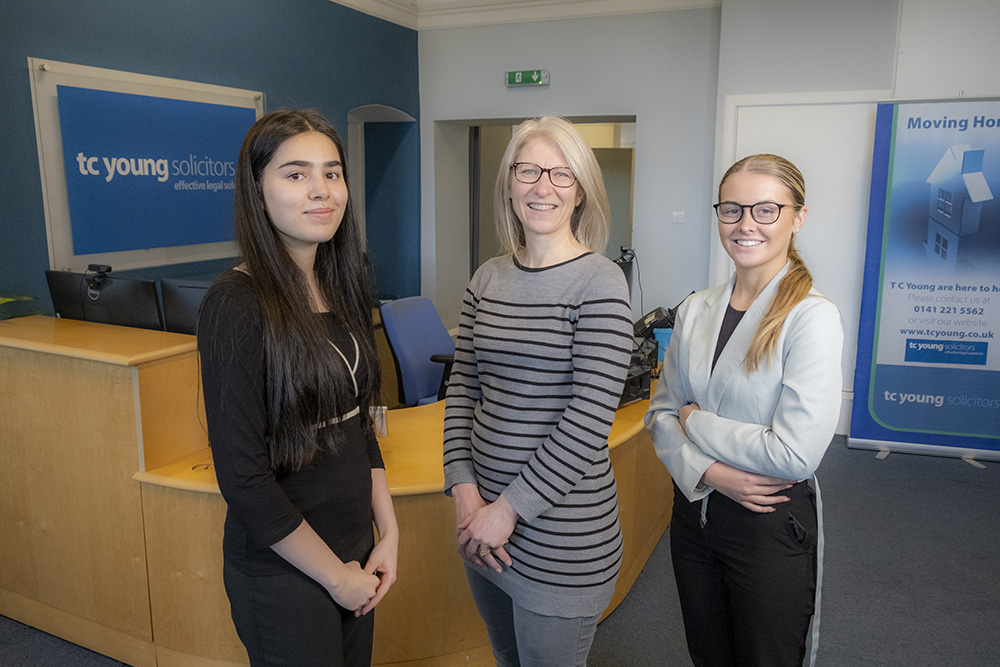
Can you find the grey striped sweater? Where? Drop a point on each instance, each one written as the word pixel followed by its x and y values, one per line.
pixel 539 367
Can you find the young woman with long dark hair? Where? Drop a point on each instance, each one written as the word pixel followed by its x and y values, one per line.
pixel 290 370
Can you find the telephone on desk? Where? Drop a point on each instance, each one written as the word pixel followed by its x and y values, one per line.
pixel 644 353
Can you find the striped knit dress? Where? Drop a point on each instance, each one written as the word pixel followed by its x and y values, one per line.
pixel 539 367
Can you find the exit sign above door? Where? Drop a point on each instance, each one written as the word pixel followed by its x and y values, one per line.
pixel 528 77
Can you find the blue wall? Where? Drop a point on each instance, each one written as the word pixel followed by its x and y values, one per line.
pixel 392 207
pixel 300 53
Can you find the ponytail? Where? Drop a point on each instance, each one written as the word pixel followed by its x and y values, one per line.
pixel 793 288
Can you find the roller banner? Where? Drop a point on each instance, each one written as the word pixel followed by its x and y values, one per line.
pixel 928 368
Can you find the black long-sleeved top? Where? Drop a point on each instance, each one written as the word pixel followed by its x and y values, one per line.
pixel 265 506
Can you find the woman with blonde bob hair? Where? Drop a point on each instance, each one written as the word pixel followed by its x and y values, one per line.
pixel 543 347
pixel 590 220
pixel 746 406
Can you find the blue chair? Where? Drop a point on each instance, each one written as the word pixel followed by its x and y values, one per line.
pixel 421 347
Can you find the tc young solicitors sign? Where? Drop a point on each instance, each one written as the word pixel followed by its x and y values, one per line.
pixel 148 172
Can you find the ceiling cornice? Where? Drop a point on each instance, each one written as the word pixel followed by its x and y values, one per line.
pixel 431 14
pixel 401 12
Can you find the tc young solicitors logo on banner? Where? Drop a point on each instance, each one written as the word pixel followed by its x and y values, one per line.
pixel 928 369
pixel 148 172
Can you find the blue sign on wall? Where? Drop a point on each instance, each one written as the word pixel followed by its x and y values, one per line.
pixel 148 172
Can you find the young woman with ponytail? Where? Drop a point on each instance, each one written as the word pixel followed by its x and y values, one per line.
pixel 745 408
pixel 290 369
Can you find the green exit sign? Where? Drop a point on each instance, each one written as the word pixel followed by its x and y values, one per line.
pixel 528 77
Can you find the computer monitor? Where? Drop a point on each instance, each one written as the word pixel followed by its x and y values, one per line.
pixel 106 299
pixel 181 300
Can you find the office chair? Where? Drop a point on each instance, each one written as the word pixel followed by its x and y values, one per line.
pixel 421 347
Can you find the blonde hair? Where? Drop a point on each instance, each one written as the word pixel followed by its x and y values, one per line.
pixel 590 220
pixel 795 285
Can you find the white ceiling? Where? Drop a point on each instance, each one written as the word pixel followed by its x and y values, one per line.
pixel 430 14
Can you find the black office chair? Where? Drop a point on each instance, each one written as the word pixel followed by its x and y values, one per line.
pixel 421 347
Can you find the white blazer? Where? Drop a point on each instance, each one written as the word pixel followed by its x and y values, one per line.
pixel 776 421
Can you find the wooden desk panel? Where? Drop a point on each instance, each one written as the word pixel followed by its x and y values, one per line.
pixel 82 404
pixel 126 346
pixel 173 410
pixel 73 551
pixel 189 607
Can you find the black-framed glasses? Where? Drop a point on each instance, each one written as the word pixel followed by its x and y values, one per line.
pixel 528 173
pixel 765 212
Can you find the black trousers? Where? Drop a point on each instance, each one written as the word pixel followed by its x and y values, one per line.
pixel 290 620
pixel 746 581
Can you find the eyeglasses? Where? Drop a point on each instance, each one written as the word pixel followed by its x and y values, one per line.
pixel 528 173
pixel 765 212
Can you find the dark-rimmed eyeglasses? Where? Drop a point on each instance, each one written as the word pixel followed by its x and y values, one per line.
pixel 765 212
pixel 528 173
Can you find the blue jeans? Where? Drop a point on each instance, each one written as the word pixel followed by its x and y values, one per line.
pixel 522 638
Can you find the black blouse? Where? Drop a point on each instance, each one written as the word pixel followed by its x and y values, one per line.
pixel 729 323
pixel 265 506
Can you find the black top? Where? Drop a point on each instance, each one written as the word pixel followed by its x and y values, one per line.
pixel 265 506
pixel 729 323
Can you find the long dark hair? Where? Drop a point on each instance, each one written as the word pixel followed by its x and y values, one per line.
pixel 307 381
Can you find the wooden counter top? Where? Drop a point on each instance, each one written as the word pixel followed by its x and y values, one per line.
pixel 194 472
pixel 411 449
pixel 124 346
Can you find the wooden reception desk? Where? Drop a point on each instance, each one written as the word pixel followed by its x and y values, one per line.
pixel 111 518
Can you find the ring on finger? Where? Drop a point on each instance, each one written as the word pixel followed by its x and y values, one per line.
pixel 484 551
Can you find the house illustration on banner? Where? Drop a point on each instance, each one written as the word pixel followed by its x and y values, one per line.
pixel 958 190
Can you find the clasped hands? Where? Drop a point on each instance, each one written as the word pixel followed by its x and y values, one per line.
pixel 381 563
pixel 751 490
pixel 483 529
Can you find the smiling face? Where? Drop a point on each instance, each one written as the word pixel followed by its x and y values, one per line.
pixel 758 249
pixel 304 191
pixel 544 210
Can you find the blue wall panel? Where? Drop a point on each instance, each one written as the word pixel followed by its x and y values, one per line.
pixel 392 207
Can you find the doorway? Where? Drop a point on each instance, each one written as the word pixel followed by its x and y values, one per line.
pixel 384 151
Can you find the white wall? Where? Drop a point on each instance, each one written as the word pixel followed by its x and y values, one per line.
pixel 795 61
pixel 948 49
pixel 785 46
pixel 845 51
pixel 659 67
